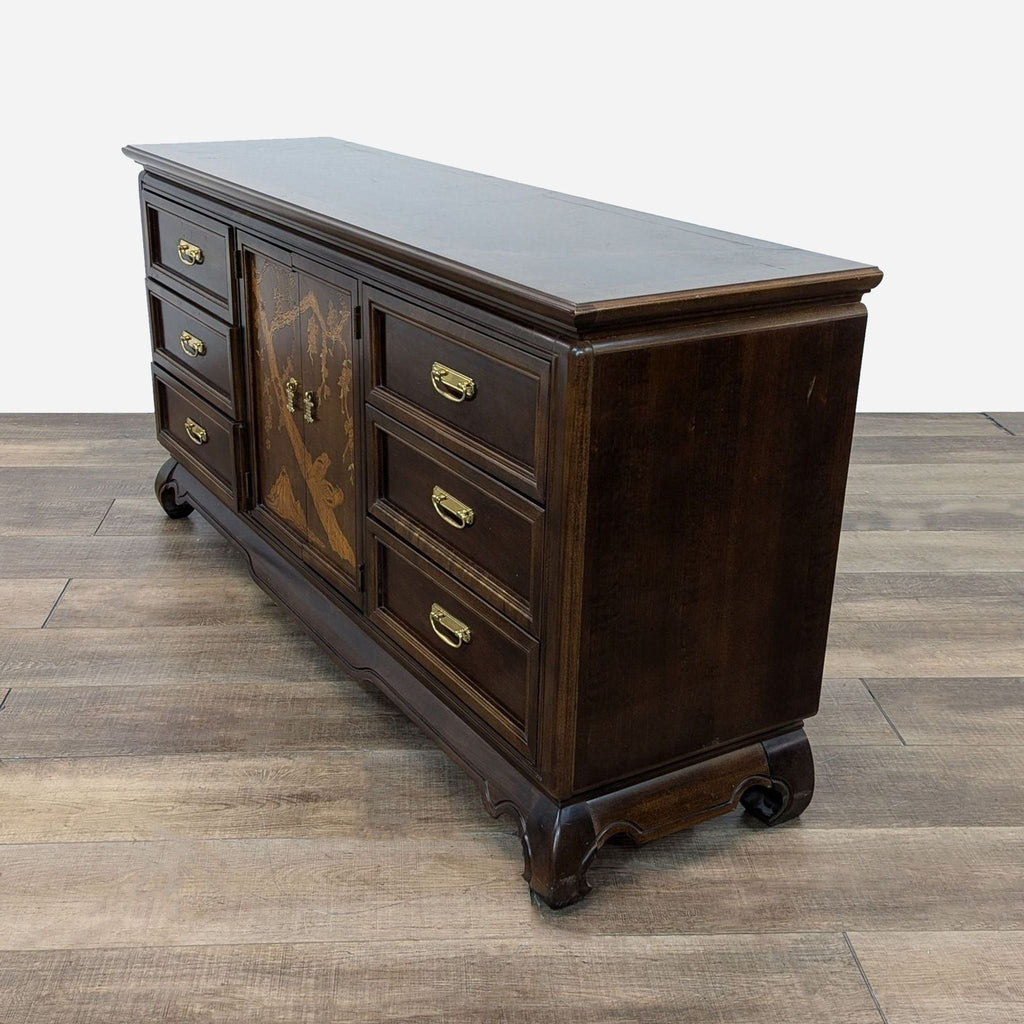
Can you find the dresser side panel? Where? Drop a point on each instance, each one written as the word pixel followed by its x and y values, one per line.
pixel 715 491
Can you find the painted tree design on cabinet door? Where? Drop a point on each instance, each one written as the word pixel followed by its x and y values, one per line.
pixel 325 324
pixel 274 306
pixel 302 334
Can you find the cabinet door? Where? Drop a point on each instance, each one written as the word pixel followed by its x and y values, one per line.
pixel 326 304
pixel 306 436
pixel 280 458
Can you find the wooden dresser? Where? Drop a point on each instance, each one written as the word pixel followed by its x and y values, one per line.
pixel 564 480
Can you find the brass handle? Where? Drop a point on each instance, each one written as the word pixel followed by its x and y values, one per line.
pixel 446 626
pixel 451 384
pixel 451 510
pixel 191 345
pixel 289 393
pixel 196 433
pixel 188 253
pixel 308 406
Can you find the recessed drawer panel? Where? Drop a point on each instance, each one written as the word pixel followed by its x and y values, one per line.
pixel 195 346
pixel 471 651
pixel 484 533
pixel 185 247
pixel 198 435
pixel 474 394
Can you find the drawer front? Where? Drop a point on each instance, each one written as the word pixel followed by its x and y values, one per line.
pixel 484 533
pixel 185 247
pixel 474 394
pixel 195 346
pixel 471 651
pixel 198 435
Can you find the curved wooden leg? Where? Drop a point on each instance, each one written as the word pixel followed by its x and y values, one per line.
pixel 167 492
pixel 791 768
pixel 558 845
pixel 773 779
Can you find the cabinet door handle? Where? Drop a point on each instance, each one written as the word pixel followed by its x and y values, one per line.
pixel 451 510
pixel 451 630
pixel 196 433
pixel 188 253
pixel 309 406
pixel 289 393
pixel 451 384
pixel 191 345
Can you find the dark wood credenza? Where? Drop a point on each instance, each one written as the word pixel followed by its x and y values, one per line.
pixel 564 480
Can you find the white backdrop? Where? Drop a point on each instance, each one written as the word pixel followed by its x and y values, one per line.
pixel 878 131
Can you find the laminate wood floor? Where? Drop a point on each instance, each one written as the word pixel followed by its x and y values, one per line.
pixel 200 821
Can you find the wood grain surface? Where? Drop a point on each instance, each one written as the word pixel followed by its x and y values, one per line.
pixel 945 977
pixel 468 225
pixel 733 978
pixel 1011 422
pixel 198 813
pixel 927 424
pixel 27 603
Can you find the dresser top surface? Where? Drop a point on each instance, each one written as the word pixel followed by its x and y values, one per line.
pixel 576 252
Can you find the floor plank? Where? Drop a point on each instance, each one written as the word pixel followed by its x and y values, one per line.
pixel 713 880
pixel 409 789
pixel 47 484
pixel 940 648
pixel 959 712
pixel 188 718
pixel 1012 421
pixel 220 600
pixel 933 512
pixel 848 716
pixel 26 516
pixel 203 892
pixel 177 554
pixel 925 551
pixel 49 428
pixel 1005 478
pixel 270 653
pixel 899 787
pixel 945 450
pixel 26 603
pixel 75 452
pixel 925 596
pixel 143 517
pixel 412 791
pixel 946 977
pixel 802 879
pixel 737 979
pixel 925 424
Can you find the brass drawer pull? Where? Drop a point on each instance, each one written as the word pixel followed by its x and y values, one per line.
pixel 289 393
pixel 450 384
pixel 447 626
pixel 196 433
pixel 188 253
pixel 308 406
pixel 451 510
pixel 191 345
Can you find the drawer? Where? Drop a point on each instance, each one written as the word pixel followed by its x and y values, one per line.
pixel 188 248
pixel 204 440
pixel 195 346
pixel 487 535
pixel 478 396
pixel 470 651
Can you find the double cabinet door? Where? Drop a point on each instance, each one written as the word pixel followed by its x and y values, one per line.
pixel 300 329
